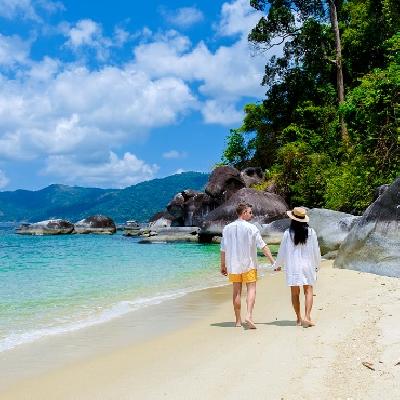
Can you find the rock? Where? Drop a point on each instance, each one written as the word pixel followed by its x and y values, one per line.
pixel 223 182
pixel 188 208
pixel 96 224
pixel 252 176
pixel 267 207
pixel 373 244
pixel 131 228
pixel 179 234
pixel 331 255
pixel 49 227
pixel 331 227
pixel 380 190
pixel 273 232
pixel 160 220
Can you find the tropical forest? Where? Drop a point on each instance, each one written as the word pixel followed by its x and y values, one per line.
pixel 327 133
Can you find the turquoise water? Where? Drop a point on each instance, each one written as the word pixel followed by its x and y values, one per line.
pixel 56 284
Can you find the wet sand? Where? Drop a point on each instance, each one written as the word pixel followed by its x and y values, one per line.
pixel 188 348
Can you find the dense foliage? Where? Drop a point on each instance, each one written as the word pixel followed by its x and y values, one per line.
pixel 140 201
pixel 295 133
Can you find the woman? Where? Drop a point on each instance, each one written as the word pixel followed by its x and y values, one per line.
pixel 300 255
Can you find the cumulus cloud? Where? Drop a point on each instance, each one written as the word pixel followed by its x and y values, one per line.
pixel 114 172
pixel 174 154
pixel 77 109
pixel 3 180
pixel 183 17
pixel 27 9
pixel 13 50
pixel 237 17
pixel 218 112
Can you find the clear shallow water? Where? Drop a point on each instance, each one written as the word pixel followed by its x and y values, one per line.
pixel 55 284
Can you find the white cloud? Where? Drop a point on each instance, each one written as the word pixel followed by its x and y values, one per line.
pixel 174 154
pixel 179 171
pixel 114 172
pixel 3 180
pixel 237 17
pixel 13 50
pixel 215 112
pixel 52 111
pixel 183 17
pixel 28 9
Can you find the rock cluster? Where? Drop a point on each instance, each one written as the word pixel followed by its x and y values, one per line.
pixel 373 244
pixel 212 209
pixel 94 224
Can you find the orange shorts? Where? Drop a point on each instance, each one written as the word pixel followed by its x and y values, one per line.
pixel 247 277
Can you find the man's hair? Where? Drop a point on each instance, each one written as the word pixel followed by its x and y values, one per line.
pixel 241 207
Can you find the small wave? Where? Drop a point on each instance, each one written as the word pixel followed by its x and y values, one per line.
pixel 121 308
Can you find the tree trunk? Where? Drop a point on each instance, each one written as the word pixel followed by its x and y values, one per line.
pixel 339 70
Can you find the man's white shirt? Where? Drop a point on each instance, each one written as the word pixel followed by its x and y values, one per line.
pixel 240 240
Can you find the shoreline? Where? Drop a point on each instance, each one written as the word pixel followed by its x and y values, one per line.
pixel 186 349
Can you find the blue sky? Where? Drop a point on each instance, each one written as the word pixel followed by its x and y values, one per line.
pixel 111 93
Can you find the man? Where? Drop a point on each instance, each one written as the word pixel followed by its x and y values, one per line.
pixel 240 240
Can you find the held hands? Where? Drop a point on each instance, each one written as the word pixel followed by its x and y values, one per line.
pixel 224 270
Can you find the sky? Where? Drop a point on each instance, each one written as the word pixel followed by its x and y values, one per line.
pixel 111 93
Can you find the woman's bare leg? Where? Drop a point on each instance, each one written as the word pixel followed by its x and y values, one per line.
pixel 295 292
pixel 308 297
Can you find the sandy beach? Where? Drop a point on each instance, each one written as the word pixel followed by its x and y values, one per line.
pixel 203 356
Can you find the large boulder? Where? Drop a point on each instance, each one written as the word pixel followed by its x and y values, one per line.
pixel 252 176
pixel 373 244
pixel 96 224
pixel 188 208
pixel 267 207
pixel 273 232
pixel 331 227
pixel 48 227
pixel 223 182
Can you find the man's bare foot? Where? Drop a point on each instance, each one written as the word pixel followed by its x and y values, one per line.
pixel 250 324
pixel 299 322
pixel 238 324
pixel 307 323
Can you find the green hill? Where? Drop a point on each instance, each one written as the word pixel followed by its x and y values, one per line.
pixel 139 201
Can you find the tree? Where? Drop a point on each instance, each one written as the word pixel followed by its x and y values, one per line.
pixel 284 23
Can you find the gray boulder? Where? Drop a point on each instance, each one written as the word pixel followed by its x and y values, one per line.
pixel 273 232
pixel 252 176
pixel 373 244
pixel 223 182
pixel 331 227
pixel 99 224
pixel 267 207
pixel 48 227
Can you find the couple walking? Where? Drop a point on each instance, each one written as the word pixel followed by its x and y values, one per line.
pixel 299 254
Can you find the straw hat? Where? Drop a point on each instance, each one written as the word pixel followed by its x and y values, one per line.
pixel 298 214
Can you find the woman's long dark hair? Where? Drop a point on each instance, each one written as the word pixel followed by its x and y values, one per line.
pixel 299 232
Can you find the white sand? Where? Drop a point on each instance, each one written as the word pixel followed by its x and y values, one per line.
pixel 357 319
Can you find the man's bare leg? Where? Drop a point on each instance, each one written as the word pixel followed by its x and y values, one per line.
pixel 295 292
pixel 237 302
pixel 308 296
pixel 250 300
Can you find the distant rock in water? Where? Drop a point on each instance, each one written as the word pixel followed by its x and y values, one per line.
pixel 48 227
pixel 331 227
pixel 373 244
pixel 96 224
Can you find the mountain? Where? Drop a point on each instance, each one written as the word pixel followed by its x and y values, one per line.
pixel 139 201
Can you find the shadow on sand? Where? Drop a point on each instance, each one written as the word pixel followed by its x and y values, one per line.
pixel 278 323
pixel 224 324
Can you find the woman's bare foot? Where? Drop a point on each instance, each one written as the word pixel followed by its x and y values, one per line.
pixel 238 324
pixel 250 324
pixel 307 323
pixel 299 322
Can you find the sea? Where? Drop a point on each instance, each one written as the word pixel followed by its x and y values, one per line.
pixel 51 285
